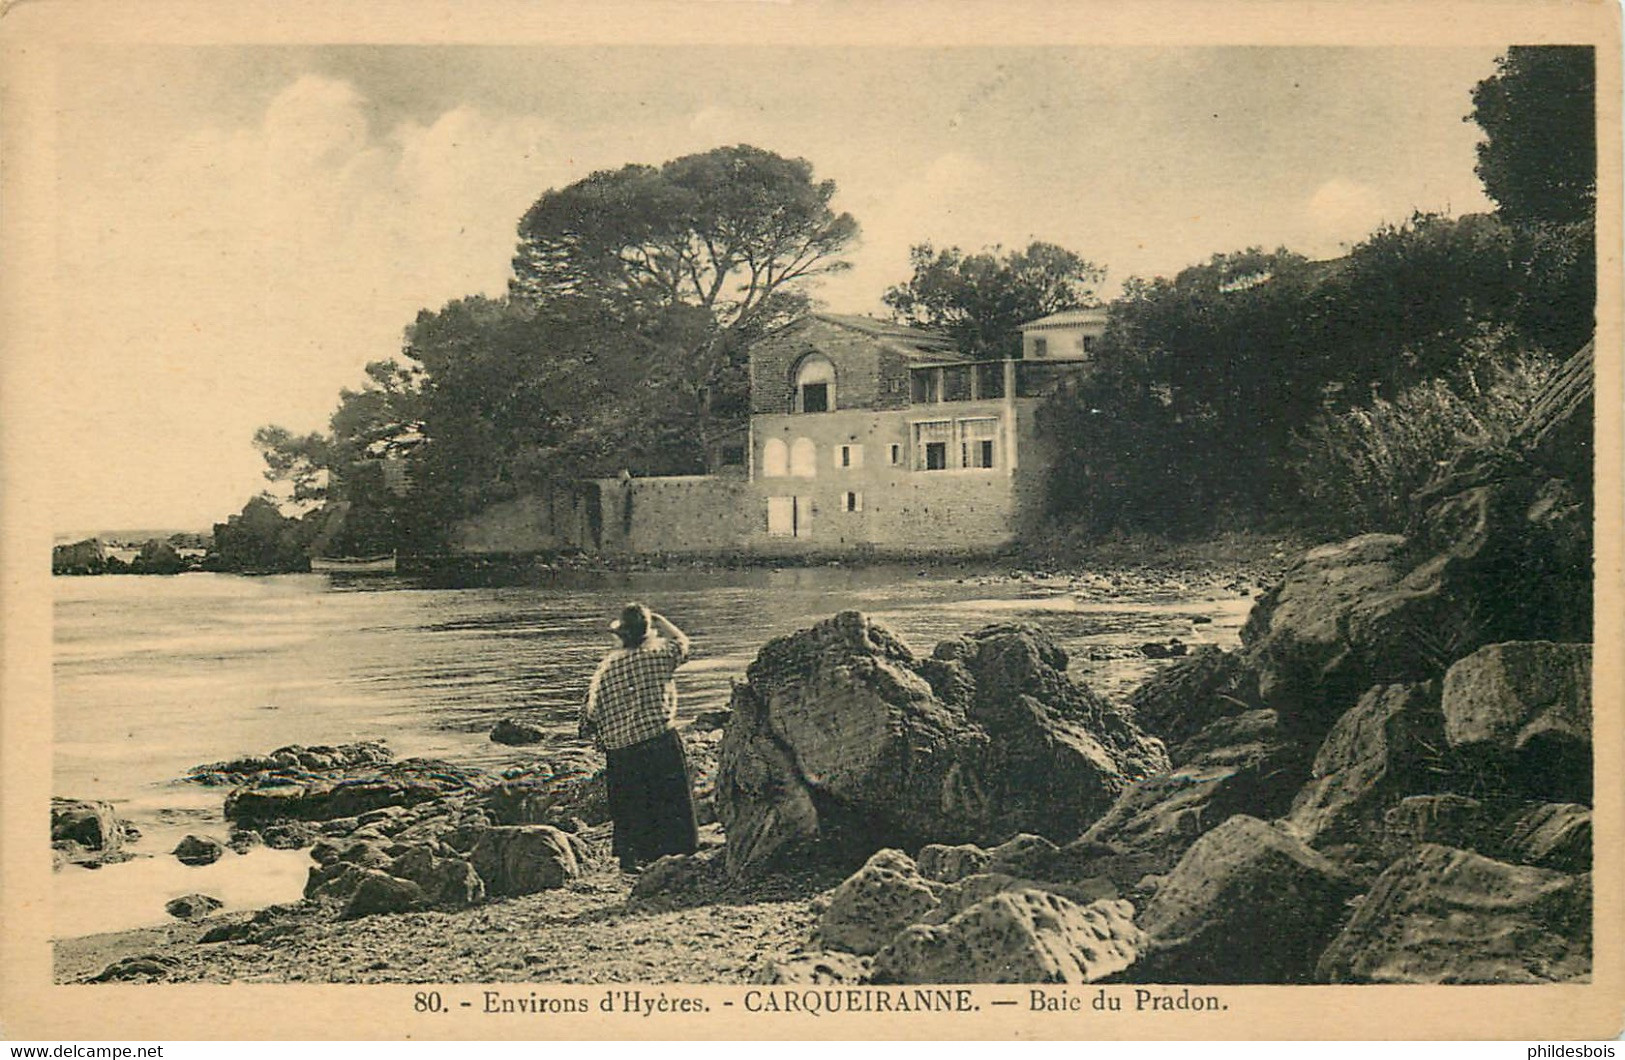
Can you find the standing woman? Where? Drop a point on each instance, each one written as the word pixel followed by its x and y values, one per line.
pixel 631 711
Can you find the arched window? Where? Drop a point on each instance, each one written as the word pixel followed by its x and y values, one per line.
pixel 775 458
pixel 804 458
pixel 815 384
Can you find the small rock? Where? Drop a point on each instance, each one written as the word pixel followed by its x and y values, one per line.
pixel 516 733
pixel 146 967
pixel 379 892
pixel 192 906
pixel 199 850
pixel 524 859
pixel 367 855
pixel 1023 855
pixel 949 864
pixel 288 835
pixel 814 969
pixel 1024 936
pixel 446 882
pixel 90 824
pixel 678 877
pixel 875 903
pixel 710 720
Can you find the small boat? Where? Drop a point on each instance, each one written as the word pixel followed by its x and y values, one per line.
pixel 353 564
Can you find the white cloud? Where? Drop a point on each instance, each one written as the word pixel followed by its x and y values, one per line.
pixel 242 277
pixel 1340 213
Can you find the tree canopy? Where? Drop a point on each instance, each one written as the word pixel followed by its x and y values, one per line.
pixel 982 299
pixel 1203 380
pixel 710 243
pixel 1538 112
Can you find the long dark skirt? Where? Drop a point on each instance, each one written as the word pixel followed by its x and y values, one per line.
pixel 650 801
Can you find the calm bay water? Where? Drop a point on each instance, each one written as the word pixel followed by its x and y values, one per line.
pixel 155 675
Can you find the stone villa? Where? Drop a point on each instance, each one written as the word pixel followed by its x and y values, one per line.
pixel 864 437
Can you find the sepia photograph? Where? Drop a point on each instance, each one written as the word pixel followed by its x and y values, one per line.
pixel 987 525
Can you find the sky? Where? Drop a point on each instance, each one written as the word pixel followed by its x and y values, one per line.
pixel 241 229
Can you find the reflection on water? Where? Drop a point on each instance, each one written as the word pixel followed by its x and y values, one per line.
pixel 155 675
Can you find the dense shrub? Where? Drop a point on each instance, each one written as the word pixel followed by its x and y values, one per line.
pixel 1357 469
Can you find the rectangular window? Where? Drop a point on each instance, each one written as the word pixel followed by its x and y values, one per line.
pixel 977 440
pixel 1087 343
pixel 896 454
pixel 956 384
pixel 849 456
pixel 854 501
pixel 815 397
pixel 931 440
pixel 1040 347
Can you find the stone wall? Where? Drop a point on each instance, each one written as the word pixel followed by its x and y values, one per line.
pixel 692 514
pixel 557 521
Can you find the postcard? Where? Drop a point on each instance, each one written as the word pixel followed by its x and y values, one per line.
pixel 903 520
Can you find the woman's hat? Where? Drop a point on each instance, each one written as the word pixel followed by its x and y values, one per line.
pixel 633 623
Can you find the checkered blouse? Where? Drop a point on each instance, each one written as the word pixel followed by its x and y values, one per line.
pixel 633 696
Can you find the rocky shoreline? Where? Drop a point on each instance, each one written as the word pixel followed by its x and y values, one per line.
pixel 1388 782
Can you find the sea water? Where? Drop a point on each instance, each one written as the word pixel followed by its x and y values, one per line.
pixel 154 675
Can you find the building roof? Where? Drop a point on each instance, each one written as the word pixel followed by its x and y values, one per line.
pixel 1066 317
pixel 917 345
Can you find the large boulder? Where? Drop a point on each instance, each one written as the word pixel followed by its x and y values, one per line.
pixel 524 859
pixel 1019 936
pixel 1526 708
pixel 90 824
pixel 841 734
pixel 1249 903
pixel 1235 764
pixel 1388 746
pixel 873 904
pixel 1297 639
pixel 1179 701
pixel 1451 916
pixel 1500 550
pixel 1546 835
